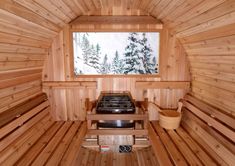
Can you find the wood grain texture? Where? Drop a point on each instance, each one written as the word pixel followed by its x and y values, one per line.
pixel 205 29
pixel 215 143
pixel 70 104
pixel 211 63
pixel 116 23
pixel 162 85
pixel 70 84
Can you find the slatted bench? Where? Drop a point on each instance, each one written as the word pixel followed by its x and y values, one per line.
pixel 206 137
pixel 29 136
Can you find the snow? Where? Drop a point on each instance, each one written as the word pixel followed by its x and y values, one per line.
pixel 110 43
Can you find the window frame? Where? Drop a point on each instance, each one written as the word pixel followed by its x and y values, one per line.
pixel 76 77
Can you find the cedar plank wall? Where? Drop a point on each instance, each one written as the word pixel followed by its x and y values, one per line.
pixel 23 48
pixel 68 104
pixel 209 40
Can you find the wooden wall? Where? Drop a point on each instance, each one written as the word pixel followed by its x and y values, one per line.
pixel 68 104
pixel 23 48
pixel 209 40
pixel 212 65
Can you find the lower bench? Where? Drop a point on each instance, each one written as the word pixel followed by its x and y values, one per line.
pixel 29 136
pixel 204 137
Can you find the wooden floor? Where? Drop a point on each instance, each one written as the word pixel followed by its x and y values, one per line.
pixel 46 143
pixel 61 145
pixel 142 157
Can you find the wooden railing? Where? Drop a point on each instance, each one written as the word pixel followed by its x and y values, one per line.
pixel 70 84
pixel 162 85
pixel 92 117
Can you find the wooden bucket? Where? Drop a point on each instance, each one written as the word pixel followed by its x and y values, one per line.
pixel 169 119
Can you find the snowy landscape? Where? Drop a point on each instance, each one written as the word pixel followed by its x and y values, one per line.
pixel 115 53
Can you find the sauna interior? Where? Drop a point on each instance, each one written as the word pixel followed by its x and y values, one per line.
pixel 48 113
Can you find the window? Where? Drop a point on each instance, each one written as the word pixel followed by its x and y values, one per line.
pixel 99 53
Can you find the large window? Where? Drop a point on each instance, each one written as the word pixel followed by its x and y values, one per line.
pixel 116 53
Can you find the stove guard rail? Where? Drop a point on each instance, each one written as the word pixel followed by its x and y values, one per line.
pixel 92 117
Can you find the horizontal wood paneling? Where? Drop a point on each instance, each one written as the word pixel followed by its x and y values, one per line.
pixel 116 23
pixel 29 15
pixel 162 85
pixel 25 38
pixel 209 42
pixel 70 84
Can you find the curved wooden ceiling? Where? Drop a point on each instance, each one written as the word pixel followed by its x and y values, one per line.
pixel 43 19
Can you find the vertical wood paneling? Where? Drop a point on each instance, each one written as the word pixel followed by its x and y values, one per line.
pixel 69 104
pixel 173 67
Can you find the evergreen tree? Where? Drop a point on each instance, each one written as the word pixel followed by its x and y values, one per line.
pixel 95 57
pixel 75 70
pixel 155 65
pixel 105 66
pixel 146 55
pixel 117 64
pixel 132 56
pixel 86 49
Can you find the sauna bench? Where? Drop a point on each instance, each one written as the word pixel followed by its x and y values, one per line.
pixel 205 137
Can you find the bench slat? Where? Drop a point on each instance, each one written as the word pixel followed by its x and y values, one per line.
pixel 72 152
pixel 220 137
pixel 33 152
pixel 211 121
pixel 49 149
pixel 158 148
pixel 11 114
pixel 14 152
pixel 213 143
pixel 19 121
pixel 184 149
pixel 61 149
pixel 203 144
pixel 230 121
pixel 197 150
pixel 17 133
pixel 175 154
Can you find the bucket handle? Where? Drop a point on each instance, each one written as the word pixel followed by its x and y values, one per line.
pixel 180 105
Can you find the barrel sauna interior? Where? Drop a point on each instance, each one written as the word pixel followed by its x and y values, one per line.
pixel 46 113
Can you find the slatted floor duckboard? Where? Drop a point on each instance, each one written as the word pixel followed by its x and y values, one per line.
pixel 59 143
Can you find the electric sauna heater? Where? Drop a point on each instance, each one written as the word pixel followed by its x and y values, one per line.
pixel 115 103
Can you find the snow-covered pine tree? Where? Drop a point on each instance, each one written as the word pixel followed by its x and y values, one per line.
pixel 132 56
pixel 117 64
pixel 86 49
pixel 146 55
pixel 114 65
pixel 95 57
pixel 155 65
pixel 105 66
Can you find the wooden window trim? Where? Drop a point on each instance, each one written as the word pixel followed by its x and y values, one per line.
pixel 71 54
